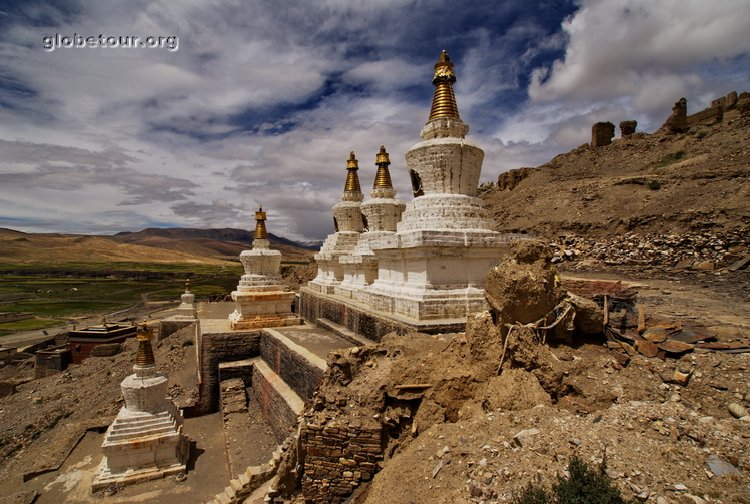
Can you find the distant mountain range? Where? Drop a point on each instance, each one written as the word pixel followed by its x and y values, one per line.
pixel 149 245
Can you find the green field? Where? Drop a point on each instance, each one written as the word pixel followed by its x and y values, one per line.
pixel 56 295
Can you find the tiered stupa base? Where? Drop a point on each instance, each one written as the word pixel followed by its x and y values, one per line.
pixel 330 272
pixel 262 306
pixel 141 446
pixel 434 275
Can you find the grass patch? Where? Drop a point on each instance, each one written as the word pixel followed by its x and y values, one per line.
pixel 32 324
pixel 90 289
pixel 671 158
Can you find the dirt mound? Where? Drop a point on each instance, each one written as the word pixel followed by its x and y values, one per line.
pixel 524 286
pixel 475 416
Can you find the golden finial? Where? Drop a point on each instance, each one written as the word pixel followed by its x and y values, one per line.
pixel 145 355
pixel 352 161
pixel 383 176
pixel 444 101
pixel 352 180
pixel 260 225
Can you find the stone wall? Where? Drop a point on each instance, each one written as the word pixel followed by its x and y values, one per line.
pixel 715 113
pixel 362 320
pixel 300 374
pixel 215 345
pixel 706 116
pixel 339 458
pixel 279 407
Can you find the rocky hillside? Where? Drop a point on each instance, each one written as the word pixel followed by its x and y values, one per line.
pixel 661 183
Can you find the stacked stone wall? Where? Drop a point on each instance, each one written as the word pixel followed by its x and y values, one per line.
pixel 275 408
pixel 296 371
pixel 338 459
pixel 217 347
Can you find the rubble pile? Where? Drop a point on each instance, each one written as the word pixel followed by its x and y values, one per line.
pixel 700 250
pixel 473 417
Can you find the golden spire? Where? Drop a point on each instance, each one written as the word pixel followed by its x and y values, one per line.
pixel 352 180
pixel 260 225
pixel 444 101
pixel 383 176
pixel 145 355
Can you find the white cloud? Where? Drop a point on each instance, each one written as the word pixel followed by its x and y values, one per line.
pixel 629 47
pixel 264 100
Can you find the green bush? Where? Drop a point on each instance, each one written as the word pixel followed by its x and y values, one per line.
pixel 532 494
pixel 584 485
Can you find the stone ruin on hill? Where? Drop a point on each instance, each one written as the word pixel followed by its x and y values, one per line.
pixel 678 122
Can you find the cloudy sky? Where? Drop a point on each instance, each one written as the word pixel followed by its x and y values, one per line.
pixel 262 101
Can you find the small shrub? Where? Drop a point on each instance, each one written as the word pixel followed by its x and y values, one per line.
pixel 584 485
pixel 532 494
pixel 187 343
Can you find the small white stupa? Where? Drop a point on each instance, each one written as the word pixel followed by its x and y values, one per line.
pixel 381 213
pixel 185 315
pixel 347 223
pixel 187 310
pixel 145 441
pixel 261 298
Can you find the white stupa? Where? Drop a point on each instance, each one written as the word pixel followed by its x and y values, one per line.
pixel 381 213
pixel 261 298
pixel 435 264
pixel 187 310
pixel 145 441
pixel 347 221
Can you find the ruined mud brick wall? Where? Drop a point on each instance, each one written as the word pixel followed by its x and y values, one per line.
pixel 707 116
pixel 216 347
pixel 362 320
pixel 274 407
pixel 339 458
pixel 296 371
pixel 715 113
pixel 602 133
pixel 627 128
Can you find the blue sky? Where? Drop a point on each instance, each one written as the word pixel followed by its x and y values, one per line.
pixel 263 100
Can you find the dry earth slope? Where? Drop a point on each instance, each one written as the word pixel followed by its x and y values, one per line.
pixel 647 183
